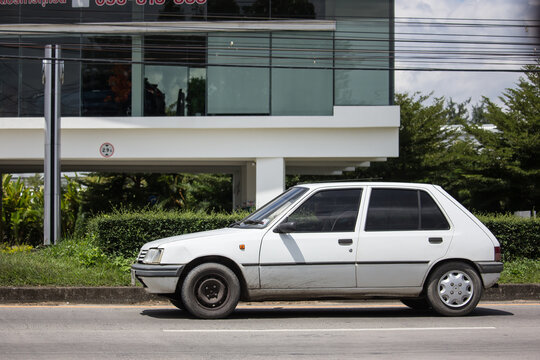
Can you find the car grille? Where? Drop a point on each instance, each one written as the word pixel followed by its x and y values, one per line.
pixel 142 254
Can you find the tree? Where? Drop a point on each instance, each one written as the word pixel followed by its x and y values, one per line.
pixel 425 142
pixel 508 168
pixel 107 191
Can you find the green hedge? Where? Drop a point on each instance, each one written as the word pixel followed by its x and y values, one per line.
pixel 519 237
pixel 124 233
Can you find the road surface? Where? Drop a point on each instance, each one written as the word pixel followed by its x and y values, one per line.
pixel 331 330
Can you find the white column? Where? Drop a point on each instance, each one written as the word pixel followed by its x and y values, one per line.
pixel 270 179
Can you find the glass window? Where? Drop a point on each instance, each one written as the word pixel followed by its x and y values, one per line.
pixel 174 90
pixel 9 80
pixel 393 209
pixel 273 209
pixel 9 14
pixel 362 45
pixel 328 211
pixel 32 89
pixel 432 216
pixel 49 13
pixel 305 9
pixel 173 12
pixel 106 85
pixel 302 73
pixel 234 88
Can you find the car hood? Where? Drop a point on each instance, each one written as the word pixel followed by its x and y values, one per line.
pixel 201 234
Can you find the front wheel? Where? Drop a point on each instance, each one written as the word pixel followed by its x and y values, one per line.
pixel 211 291
pixel 454 289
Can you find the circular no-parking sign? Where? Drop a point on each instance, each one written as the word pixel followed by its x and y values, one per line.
pixel 106 150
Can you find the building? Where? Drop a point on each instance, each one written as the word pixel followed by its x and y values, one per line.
pixel 254 88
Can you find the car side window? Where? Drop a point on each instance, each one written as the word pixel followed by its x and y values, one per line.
pixel 403 209
pixel 328 211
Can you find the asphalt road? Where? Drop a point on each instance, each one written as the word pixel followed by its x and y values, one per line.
pixel 282 331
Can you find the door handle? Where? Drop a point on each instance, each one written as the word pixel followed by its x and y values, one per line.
pixel 435 240
pixel 345 241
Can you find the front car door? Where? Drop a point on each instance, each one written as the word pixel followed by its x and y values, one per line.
pixel 321 251
pixel 403 232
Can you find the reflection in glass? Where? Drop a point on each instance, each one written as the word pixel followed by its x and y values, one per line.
pixel 302 76
pixel 239 78
pixel 106 87
pixel 9 80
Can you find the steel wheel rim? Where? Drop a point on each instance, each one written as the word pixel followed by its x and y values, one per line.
pixel 211 292
pixel 455 288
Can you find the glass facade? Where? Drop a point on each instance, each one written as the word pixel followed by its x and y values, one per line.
pixel 202 73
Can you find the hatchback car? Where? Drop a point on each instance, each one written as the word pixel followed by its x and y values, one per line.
pixel 412 242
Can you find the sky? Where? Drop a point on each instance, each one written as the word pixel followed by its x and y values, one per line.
pixel 461 86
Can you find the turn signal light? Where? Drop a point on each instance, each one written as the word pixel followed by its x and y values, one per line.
pixel 242 247
pixel 497 253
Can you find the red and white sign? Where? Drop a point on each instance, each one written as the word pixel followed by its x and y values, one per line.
pixel 106 150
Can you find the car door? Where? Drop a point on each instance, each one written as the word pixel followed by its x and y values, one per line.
pixel 319 249
pixel 403 232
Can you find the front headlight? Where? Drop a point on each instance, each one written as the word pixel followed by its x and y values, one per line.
pixel 153 256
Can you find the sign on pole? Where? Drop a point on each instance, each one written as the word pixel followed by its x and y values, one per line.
pixel 53 74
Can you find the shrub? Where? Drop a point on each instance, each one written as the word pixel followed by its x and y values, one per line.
pixel 123 233
pixel 519 237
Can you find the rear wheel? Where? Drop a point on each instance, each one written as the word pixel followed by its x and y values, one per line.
pixel 454 289
pixel 211 291
pixel 416 303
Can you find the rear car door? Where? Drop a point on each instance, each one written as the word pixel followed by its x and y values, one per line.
pixel 403 232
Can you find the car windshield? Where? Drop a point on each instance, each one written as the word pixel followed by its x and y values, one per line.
pixel 263 216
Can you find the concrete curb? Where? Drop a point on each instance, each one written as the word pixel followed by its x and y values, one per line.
pixel 133 295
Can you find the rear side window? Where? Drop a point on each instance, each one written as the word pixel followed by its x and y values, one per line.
pixel 401 209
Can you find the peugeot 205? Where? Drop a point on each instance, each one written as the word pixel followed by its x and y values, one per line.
pixel 412 242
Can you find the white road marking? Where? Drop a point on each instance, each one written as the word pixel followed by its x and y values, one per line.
pixel 323 330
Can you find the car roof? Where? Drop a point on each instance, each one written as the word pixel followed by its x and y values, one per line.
pixel 338 184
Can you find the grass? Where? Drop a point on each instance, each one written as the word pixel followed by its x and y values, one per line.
pixel 79 262
pixel 522 271
pixel 71 263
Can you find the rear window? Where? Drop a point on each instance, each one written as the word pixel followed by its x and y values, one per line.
pixel 403 209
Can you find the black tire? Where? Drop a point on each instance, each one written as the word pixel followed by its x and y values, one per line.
pixel 416 303
pixel 210 291
pixel 178 303
pixel 454 289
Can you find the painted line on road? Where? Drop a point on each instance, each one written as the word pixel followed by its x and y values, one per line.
pixel 242 306
pixel 324 330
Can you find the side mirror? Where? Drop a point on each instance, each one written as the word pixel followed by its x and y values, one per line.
pixel 285 228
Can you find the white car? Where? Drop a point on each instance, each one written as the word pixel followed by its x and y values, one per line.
pixel 413 242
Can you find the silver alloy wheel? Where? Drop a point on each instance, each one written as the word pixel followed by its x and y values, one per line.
pixel 455 288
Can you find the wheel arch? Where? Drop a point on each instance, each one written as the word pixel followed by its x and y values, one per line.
pixel 445 261
pixel 231 264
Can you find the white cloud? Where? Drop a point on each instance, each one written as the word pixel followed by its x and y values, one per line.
pixel 459 85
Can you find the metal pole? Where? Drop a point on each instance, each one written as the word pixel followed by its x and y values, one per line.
pixel 53 72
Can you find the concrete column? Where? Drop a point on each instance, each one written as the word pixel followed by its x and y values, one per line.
pixel 137 76
pixel 237 189
pixel 270 179
pixel 249 191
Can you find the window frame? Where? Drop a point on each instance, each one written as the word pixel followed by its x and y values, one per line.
pixel 419 210
pixel 314 193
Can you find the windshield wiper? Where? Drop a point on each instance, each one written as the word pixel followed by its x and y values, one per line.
pixel 236 223
pixel 253 222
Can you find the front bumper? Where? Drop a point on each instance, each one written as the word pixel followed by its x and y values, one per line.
pixel 490 272
pixel 157 279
